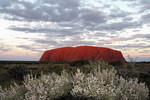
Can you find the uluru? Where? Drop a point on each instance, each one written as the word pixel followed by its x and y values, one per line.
pixel 82 53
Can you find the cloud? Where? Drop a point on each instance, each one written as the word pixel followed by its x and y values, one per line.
pixel 85 42
pixel 118 40
pixel 49 31
pixel 136 36
pixel 146 36
pixel 80 40
pixel 71 16
pixel 128 47
pixel 5 47
pixel 43 41
pixel 127 19
pixel 64 41
pixel 137 45
pixel 32 30
pixel 118 13
pixel 30 47
pixel 41 45
pixel 5 3
pixel 100 34
pixel 118 26
pixel 145 2
pixel 146 18
pixel 64 3
pixel 136 30
pixel 92 16
pixel 59 11
pixel 41 10
pixel 144 51
pixel 144 8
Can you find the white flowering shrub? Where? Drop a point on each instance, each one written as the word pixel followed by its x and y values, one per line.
pixel 47 87
pixel 15 92
pixel 104 84
pixel 101 83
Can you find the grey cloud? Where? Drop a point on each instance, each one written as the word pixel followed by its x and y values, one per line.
pixel 66 24
pixel 51 10
pixel 44 41
pixel 144 51
pixel 118 13
pixel 133 37
pixel 24 38
pixel 25 14
pixel 127 19
pixel 32 30
pixel 4 48
pixel 146 18
pixel 29 47
pixel 145 2
pixel 146 36
pixel 89 15
pixel 115 26
pixel 100 34
pixel 5 3
pixel 63 3
pixel 144 8
pixel 121 25
pixel 136 30
pixel 143 45
pixel 72 43
pixel 65 10
pixel 129 46
pixel 66 13
pixel 49 31
pixel 69 32
pixel 25 46
pixel 59 42
pixel 13 18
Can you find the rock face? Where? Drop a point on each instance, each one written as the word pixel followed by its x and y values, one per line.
pixel 82 53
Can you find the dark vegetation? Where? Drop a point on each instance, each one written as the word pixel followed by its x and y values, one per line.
pixel 18 72
pixel 11 71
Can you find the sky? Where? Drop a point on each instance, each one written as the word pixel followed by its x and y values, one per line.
pixel 29 27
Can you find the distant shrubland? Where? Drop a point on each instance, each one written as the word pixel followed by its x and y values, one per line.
pixel 91 81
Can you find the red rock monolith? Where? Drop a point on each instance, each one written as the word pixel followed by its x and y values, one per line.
pixel 82 53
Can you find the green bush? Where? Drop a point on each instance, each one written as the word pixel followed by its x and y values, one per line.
pixel 18 72
pixel 116 63
pixel 94 65
pixel 79 63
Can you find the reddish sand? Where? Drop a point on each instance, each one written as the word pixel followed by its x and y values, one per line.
pixel 82 53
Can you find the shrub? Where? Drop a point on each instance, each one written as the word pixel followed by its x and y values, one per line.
pixel 94 65
pixel 116 63
pixel 18 72
pixel 15 92
pixel 58 69
pixel 79 63
pixel 47 87
pixel 101 83
pixel 104 84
